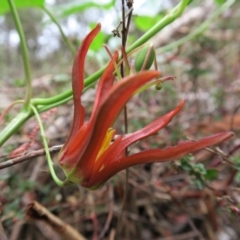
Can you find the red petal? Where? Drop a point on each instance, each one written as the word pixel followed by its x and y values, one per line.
pixel 118 96
pixel 78 80
pixel 157 155
pixel 105 82
pixel 148 130
pixel 109 108
pixel 71 154
pixel 78 65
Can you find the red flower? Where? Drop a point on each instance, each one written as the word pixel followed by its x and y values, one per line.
pixel 90 156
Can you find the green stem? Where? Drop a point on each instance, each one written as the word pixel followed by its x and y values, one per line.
pixel 23 116
pixel 67 95
pixel 65 38
pixel 14 125
pixel 175 13
pixel 197 31
pixel 45 104
pixel 44 139
pixel 24 54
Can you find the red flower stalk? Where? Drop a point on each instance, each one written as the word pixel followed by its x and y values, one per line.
pixel 90 156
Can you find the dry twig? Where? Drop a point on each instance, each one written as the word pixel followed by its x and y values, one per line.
pixel 38 212
pixel 28 156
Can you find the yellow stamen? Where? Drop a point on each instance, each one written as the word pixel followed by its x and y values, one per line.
pixel 106 141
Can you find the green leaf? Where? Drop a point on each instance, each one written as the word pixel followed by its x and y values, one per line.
pixel 4 7
pixel 99 40
pixel 199 183
pixel 199 168
pixel 185 165
pixel 220 2
pixel 211 174
pixel 144 23
pixel 67 9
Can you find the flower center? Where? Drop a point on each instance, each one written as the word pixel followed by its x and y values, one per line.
pixel 106 142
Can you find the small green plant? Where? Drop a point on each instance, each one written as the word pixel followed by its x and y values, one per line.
pixel 200 175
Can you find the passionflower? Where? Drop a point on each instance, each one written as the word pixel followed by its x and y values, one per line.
pixel 93 152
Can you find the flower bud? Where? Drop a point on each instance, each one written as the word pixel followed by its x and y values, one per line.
pixel 158 86
pixel 144 58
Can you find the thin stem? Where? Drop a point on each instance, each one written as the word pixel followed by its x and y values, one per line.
pixel 24 54
pixel 113 61
pixel 175 13
pixel 29 156
pixel 128 22
pixel 6 110
pixel 123 26
pixel 14 125
pixel 45 144
pixel 67 95
pixel 124 41
pixel 65 38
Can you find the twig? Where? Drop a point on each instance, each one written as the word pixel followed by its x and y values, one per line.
pixel 17 228
pixel 116 30
pixel 112 234
pixel 5 111
pixel 124 41
pixel 93 216
pixel 47 231
pixel 38 212
pixel 233 150
pixel 28 156
pixel 217 151
pixel 110 213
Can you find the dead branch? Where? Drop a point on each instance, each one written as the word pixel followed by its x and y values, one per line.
pixel 28 156
pixel 38 212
